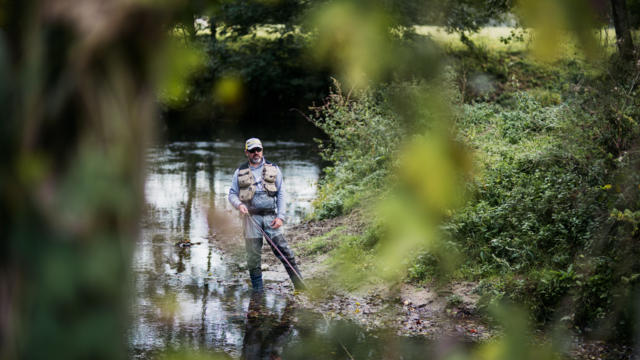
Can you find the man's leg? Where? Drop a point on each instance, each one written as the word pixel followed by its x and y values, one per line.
pixel 254 262
pixel 253 246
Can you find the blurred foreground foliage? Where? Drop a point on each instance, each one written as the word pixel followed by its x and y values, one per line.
pixel 78 101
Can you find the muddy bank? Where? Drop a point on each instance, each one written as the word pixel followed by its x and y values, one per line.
pixel 406 309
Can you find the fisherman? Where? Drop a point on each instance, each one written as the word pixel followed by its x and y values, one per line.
pixel 258 193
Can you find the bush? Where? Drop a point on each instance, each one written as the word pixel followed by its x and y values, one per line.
pixel 553 223
pixel 363 136
pixel 534 201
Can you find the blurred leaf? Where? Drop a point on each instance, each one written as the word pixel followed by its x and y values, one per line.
pixel 179 63
pixel 33 167
pixel 228 90
pixel 429 168
pixel 354 39
pixel 516 341
pixel 555 21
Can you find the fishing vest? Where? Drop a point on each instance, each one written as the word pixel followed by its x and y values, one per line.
pixel 247 185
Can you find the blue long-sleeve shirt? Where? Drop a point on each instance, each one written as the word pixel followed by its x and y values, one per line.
pixel 257 176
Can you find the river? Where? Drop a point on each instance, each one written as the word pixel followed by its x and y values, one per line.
pixel 192 298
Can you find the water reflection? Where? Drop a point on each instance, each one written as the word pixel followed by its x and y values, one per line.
pixel 266 331
pixel 193 296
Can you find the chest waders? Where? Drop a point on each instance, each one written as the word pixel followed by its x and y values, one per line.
pixel 261 205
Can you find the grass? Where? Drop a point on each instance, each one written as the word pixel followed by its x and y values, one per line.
pixel 350 258
pixel 488 37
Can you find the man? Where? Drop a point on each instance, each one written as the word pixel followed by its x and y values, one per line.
pixel 257 192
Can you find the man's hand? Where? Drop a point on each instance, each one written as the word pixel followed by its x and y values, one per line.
pixel 276 223
pixel 243 209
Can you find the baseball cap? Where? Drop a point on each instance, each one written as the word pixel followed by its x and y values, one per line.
pixel 252 143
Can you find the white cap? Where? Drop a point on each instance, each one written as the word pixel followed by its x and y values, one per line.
pixel 252 143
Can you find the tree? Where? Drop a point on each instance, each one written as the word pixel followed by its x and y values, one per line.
pixel 623 29
pixel 78 101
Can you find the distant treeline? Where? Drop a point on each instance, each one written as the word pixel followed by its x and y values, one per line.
pixel 275 84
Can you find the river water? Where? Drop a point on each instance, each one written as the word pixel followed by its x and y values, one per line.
pixel 192 297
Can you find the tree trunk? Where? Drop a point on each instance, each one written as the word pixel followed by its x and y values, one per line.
pixel 190 24
pixel 212 27
pixel 623 31
pixel 78 106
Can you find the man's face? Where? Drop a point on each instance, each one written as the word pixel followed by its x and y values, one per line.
pixel 254 155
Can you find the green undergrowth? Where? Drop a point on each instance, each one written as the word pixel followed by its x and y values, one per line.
pixel 351 256
pixel 323 243
pixel 363 138
pixel 553 212
pixel 539 228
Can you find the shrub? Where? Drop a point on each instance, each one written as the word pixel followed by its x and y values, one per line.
pixel 273 75
pixel 363 135
pixel 554 217
pixel 553 223
pixel 535 198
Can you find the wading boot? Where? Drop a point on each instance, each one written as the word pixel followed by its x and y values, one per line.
pixel 256 281
pixel 254 262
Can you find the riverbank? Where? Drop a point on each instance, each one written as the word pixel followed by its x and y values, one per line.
pixel 407 309
pixel 437 312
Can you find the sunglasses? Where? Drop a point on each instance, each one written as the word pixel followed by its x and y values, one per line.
pixel 255 150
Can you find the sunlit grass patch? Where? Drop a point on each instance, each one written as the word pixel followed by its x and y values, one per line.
pixel 264 31
pixel 517 40
pixel 492 38
pixel 488 37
